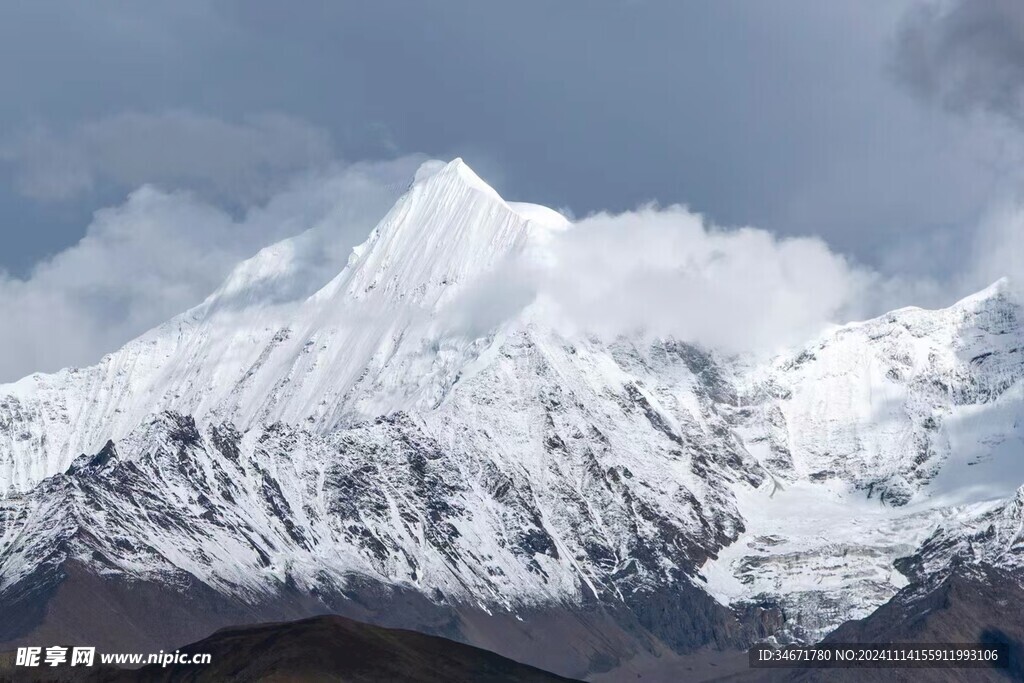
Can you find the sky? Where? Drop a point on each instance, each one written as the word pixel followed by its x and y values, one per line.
pixel 145 148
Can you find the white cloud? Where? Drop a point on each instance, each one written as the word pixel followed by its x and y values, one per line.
pixel 160 253
pixel 666 272
pixel 242 161
pixel 965 54
pixel 669 273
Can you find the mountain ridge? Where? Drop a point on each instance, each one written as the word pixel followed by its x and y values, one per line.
pixel 334 445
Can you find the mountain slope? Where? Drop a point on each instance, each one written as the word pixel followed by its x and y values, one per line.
pixel 253 353
pixel 338 649
pixel 876 436
pixel 968 605
pixel 326 648
pixel 875 404
pixel 496 517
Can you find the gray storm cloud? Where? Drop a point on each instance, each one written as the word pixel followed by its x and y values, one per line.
pixel 966 55
pixel 240 161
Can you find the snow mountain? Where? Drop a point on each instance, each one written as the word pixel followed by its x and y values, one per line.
pixel 290 447
pixel 269 346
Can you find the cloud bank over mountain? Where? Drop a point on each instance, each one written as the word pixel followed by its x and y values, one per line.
pixel 664 271
pixel 161 252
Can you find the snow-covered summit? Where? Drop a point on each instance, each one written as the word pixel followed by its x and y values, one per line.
pixel 448 229
pixel 273 344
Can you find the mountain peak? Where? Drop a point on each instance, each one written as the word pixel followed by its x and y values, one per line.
pixel 454 172
pixel 450 227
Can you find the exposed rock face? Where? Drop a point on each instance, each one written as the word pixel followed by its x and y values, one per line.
pixel 968 604
pixel 287 520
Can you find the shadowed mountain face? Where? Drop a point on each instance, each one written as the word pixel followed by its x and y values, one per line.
pixel 972 604
pixel 320 649
pixel 333 648
pixel 146 616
